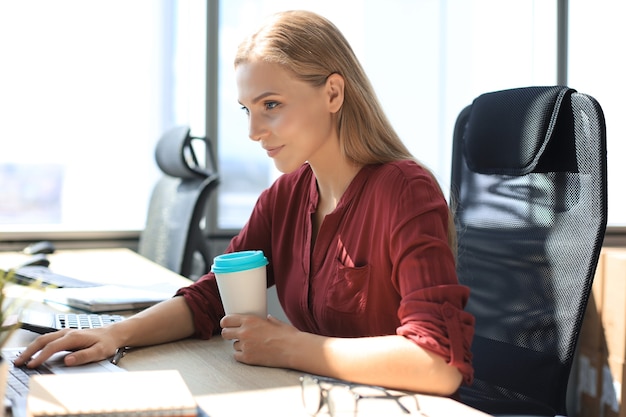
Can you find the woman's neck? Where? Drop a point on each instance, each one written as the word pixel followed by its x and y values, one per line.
pixel 332 183
pixel 333 180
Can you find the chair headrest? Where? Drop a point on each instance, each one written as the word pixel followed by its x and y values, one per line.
pixel 508 131
pixel 175 156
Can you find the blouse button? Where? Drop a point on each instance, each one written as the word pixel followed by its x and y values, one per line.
pixel 448 312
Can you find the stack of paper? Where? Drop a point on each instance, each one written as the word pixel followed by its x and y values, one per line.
pixel 105 298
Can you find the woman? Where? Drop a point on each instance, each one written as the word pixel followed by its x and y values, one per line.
pixel 358 234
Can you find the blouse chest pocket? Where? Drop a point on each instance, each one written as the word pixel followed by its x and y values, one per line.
pixel 347 292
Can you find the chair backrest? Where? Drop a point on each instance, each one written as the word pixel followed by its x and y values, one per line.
pixel 175 235
pixel 529 190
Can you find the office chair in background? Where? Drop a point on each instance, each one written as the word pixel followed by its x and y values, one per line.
pixel 530 194
pixel 175 235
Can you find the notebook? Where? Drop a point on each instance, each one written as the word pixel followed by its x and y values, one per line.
pixel 18 379
pixel 161 393
pixel 105 298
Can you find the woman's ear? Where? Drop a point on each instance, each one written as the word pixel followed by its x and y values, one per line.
pixel 335 88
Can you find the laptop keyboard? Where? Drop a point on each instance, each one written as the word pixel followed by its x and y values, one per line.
pixel 17 380
pixel 85 320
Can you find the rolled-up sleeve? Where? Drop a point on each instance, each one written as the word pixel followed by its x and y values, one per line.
pixel 203 300
pixel 441 326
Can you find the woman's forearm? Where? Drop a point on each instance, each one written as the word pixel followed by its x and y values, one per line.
pixel 390 361
pixel 164 322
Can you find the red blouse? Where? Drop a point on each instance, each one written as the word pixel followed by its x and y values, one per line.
pixel 381 264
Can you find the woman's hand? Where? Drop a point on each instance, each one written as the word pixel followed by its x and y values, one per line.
pixel 90 345
pixel 259 341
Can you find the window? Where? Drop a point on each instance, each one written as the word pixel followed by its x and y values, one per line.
pixel 595 67
pixel 86 89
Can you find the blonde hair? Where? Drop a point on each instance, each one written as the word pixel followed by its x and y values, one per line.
pixel 312 48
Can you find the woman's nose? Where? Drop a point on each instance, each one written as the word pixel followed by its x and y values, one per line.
pixel 255 128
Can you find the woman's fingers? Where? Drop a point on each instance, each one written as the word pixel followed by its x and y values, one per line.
pixel 36 346
pixel 85 346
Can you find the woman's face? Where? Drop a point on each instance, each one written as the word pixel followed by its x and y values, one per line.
pixel 292 120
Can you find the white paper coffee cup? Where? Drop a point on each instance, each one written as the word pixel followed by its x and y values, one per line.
pixel 242 282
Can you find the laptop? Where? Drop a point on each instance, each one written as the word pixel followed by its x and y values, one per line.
pixel 44 277
pixel 17 381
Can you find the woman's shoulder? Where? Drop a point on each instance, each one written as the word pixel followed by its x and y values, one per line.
pixel 405 180
pixel 401 171
pixel 407 186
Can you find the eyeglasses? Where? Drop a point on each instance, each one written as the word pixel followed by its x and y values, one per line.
pixel 342 397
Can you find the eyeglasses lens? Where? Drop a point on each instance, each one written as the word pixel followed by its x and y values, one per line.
pixel 341 401
pixel 311 395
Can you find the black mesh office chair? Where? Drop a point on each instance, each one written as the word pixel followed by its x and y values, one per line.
pixel 175 235
pixel 529 188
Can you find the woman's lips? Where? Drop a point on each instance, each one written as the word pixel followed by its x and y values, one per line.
pixel 272 152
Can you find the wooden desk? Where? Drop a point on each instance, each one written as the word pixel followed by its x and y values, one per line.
pixel 225 387
pixel 222 386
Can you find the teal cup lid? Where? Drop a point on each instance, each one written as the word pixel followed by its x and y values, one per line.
pixel 238 261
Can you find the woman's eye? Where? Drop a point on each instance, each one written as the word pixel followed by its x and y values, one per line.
pixel 245 109
pixel 271 105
